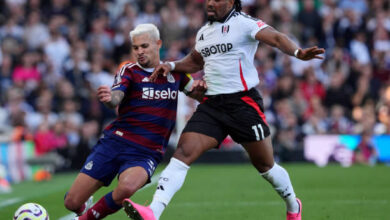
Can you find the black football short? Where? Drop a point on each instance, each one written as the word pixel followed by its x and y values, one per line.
pixel 240 115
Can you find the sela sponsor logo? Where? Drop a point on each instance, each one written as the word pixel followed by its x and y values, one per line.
pixel 151 93
pixel 218 48
pixel 89 165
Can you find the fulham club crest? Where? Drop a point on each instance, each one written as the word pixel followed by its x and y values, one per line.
pixel 225 29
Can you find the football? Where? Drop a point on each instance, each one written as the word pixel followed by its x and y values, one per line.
pixel 31 211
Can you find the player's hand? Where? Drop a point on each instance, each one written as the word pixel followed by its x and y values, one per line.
pixel 161 69
pixel 104 94
pixel 198 86
pixel 310 53
pixel 198 89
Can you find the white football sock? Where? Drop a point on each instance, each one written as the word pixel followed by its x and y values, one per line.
pixel 171 180
pixel 279 179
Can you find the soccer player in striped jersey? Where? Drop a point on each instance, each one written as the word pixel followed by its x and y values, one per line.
pixel 134 143
pixel 225 49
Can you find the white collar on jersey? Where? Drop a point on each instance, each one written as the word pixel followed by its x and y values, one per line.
pixel 150 70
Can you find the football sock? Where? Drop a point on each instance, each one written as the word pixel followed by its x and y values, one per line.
pixel 105 206
pixel 171 180
pixel 279 179
pixel 80 210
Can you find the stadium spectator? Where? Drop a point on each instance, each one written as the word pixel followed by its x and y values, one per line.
pixel 148 14
pixel 100 37
pixel 338 93
pixel 359 6
pixel 89 135
pixel 36 33
pixel 365 152
pixel 173 22
pixel 311 23
pixel 26 75
pixel 69 113
pixel 76 67
pixel 6 69
pixel 338 123
pixel 12 29
pixel 359 49
pixel 57 48
pixel 43 113
pixel 16 102
pixel 97 76
pixel 50 138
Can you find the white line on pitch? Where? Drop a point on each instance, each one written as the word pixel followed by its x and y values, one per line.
pixel 11 201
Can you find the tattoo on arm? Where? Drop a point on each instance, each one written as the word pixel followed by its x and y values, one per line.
pixel 116 98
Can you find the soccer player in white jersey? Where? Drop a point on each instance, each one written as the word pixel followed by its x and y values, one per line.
pixel 225 49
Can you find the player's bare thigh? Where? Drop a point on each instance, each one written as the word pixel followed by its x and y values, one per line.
pixel 192 145
pixel 83 187
pixel 261 154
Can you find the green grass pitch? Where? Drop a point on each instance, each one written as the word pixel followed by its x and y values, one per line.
pixel 232 192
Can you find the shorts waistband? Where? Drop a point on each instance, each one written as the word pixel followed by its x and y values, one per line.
pixel 233 95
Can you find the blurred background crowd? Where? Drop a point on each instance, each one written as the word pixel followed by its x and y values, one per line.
pixel 54 54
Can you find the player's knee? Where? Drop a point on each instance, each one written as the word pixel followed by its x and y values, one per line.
pixel 126 189
pixel 263 166
pixel 187 152
pixel 71 203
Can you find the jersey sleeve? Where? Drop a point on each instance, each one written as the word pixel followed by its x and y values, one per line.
pixel 186 82
pixel 122 79
pixel 255 25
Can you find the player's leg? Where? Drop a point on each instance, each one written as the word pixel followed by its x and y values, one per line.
pixel 248 126
pixel 129 182
pixel 202 132
pixel 83 187
pixel 191 145
pixel 261 156
pixel 99 170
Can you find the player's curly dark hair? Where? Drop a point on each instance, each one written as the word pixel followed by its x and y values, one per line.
pixel 237 5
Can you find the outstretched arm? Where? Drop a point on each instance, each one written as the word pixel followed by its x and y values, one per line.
pixel 191 63
pixel 279 40
pixel 111 99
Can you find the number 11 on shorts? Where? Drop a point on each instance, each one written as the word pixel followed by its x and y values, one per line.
pixel 256 128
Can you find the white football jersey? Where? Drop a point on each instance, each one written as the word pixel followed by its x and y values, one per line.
pixel 228 51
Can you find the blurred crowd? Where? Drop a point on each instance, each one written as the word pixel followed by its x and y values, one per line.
pixel 54 54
